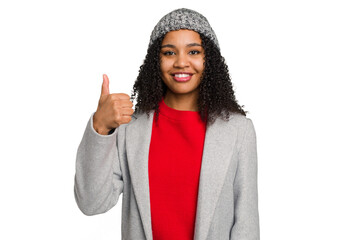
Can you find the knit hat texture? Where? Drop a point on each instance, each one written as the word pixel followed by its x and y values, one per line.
pixel 183 18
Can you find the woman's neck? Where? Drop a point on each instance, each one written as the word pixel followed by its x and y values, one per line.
pixel 183 102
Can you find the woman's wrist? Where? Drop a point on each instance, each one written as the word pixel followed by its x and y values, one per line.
pixel 99 128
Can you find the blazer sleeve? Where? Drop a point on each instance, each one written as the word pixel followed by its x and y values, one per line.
pixel 246 219
pixel 98 177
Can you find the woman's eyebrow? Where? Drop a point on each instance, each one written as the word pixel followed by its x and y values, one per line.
pixel 189 45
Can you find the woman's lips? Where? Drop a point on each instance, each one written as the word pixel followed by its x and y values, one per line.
pixel 182 79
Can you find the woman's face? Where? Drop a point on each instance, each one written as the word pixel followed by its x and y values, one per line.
pixel 182 61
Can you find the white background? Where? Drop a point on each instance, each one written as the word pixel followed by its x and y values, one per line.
pixel 294 65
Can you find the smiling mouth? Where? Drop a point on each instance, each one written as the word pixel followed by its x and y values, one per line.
pixel 182 77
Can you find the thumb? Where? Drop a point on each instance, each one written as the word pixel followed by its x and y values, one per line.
pixel 105 86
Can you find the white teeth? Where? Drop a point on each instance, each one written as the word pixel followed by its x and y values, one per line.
pixel 182 75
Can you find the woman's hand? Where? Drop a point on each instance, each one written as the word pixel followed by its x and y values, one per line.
pixel 113 109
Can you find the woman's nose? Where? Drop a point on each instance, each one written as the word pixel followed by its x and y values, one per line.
pixel 181 61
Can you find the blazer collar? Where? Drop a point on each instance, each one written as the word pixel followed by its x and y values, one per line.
pixel 218 149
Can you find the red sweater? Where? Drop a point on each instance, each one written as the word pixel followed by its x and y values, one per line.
pixel 175 155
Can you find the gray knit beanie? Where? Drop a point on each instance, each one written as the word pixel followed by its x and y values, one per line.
pixel 183 18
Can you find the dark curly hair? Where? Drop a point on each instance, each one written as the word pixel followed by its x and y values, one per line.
pixel 216 95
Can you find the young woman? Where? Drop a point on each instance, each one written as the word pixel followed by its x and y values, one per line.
pixel 185 160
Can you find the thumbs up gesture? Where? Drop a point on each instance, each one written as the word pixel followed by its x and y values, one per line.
pixel 113 109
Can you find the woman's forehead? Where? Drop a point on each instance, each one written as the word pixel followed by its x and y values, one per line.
pixel 182 36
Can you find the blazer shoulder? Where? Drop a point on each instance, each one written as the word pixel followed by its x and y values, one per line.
pixel 240 120
pixel 244 126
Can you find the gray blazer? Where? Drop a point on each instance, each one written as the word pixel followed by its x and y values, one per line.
pixel 227 206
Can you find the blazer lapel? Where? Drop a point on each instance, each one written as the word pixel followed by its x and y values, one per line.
pixel 218 149
pixel 138 136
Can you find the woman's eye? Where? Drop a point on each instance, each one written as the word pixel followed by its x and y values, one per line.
pixel 195 51
pixel 168 53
